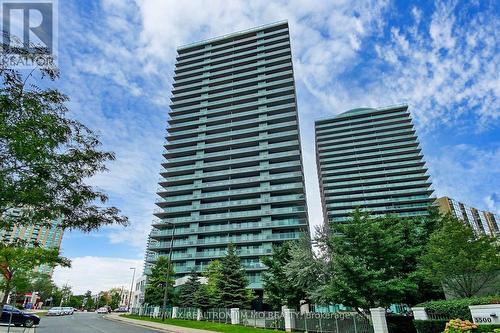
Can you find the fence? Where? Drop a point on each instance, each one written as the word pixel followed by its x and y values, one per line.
pixel 288 320
pixel 339 322
pixel 262 319
pixel 217 315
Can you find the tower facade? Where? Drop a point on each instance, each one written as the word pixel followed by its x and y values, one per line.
pixel 371 159
pixel 233 169
pixel 482 222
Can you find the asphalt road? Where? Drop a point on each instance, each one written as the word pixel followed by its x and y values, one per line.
pixel 79 323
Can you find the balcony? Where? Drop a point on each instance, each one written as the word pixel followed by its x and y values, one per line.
pixel 233 215
pixel 284 223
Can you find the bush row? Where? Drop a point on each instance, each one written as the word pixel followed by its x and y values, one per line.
pixel 458 308
pixel 437 326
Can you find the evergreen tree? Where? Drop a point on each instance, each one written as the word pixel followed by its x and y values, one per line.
pixel 157 282
pixel 233 282
pixel 187 297
pixel 279 290
pixel 202 298
pixel 214 275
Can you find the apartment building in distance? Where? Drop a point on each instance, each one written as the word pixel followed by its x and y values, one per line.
pixel 233 167
pixel 371 159
pixel 46 236
pixel 482 222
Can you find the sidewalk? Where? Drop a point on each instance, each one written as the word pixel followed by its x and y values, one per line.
pixel 157 326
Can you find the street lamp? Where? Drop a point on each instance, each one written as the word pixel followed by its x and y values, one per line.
pixel 165 294
pixel 131 286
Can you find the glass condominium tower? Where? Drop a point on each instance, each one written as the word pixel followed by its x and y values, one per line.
pixel 371 159
pixel 233 168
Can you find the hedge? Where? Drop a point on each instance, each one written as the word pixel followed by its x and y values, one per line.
pixel 458 308
pixel 486 328
pixel 437 326
pixel 430 326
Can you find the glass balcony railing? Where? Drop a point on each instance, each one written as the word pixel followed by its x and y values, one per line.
pixel 237 115
pixel 253 79
pixel 261 201
pixel 230 172
pixel 212 81
pixel 236 100
pixel 375 187
pixel 233 215
pixel 378 129
pixel 206 96
pixel 377 201
pixel 371 161
pixel 233 161
pixel 378 194
pixel 334 142
pixel 212 50
pixel 227 240
pixel 234 141
pixel 368 167
pixel 363 120
pixel 158 233
pixel 234 63
pixel 235 107
pixel 379 173
pixel 372 142
pixel 356 153
pixel 276 41
pixel 360 125
pixel 229 71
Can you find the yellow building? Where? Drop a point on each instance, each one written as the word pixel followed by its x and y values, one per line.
pixel 482 222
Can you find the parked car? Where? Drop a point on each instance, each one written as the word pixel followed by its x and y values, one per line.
pixel 55 311
pixel 18 317
pixel 102 310
pixel 121 309
pixel 68 310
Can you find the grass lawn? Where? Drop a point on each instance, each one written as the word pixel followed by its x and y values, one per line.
pixel 204 325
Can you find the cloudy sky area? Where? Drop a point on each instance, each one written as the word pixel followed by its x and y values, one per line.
pixel 441 58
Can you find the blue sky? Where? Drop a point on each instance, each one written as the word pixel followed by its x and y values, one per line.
pixel 442 58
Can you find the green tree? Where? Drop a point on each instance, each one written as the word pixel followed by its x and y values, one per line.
pixel 115 300
pixel 279 289
pixel 17 262
pixel 370 261
pixel 157 282
pixel 187 297
pixel 232 284
pixel 43 284
pixel 213 273
pixel 461 262
pixel 46 156
pixel 88 301
pixel 75 301
pixel 202 298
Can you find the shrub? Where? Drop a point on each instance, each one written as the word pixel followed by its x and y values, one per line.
pixel 459 326
pixel 429 326
pixel 487 329
pixel 458 308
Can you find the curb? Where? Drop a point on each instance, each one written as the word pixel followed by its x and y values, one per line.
pixel 144 324
pixel 136 323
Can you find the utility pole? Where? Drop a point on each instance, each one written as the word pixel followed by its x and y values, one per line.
pixel 165 294
pixel 131 286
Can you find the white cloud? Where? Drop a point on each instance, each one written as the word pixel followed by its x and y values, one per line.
pixel 97 273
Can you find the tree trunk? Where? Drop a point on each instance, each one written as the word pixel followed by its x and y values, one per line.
pixel 5 295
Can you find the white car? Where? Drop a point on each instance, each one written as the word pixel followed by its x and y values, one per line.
pixel 68 310
pixel 102 310
pixel 56 311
